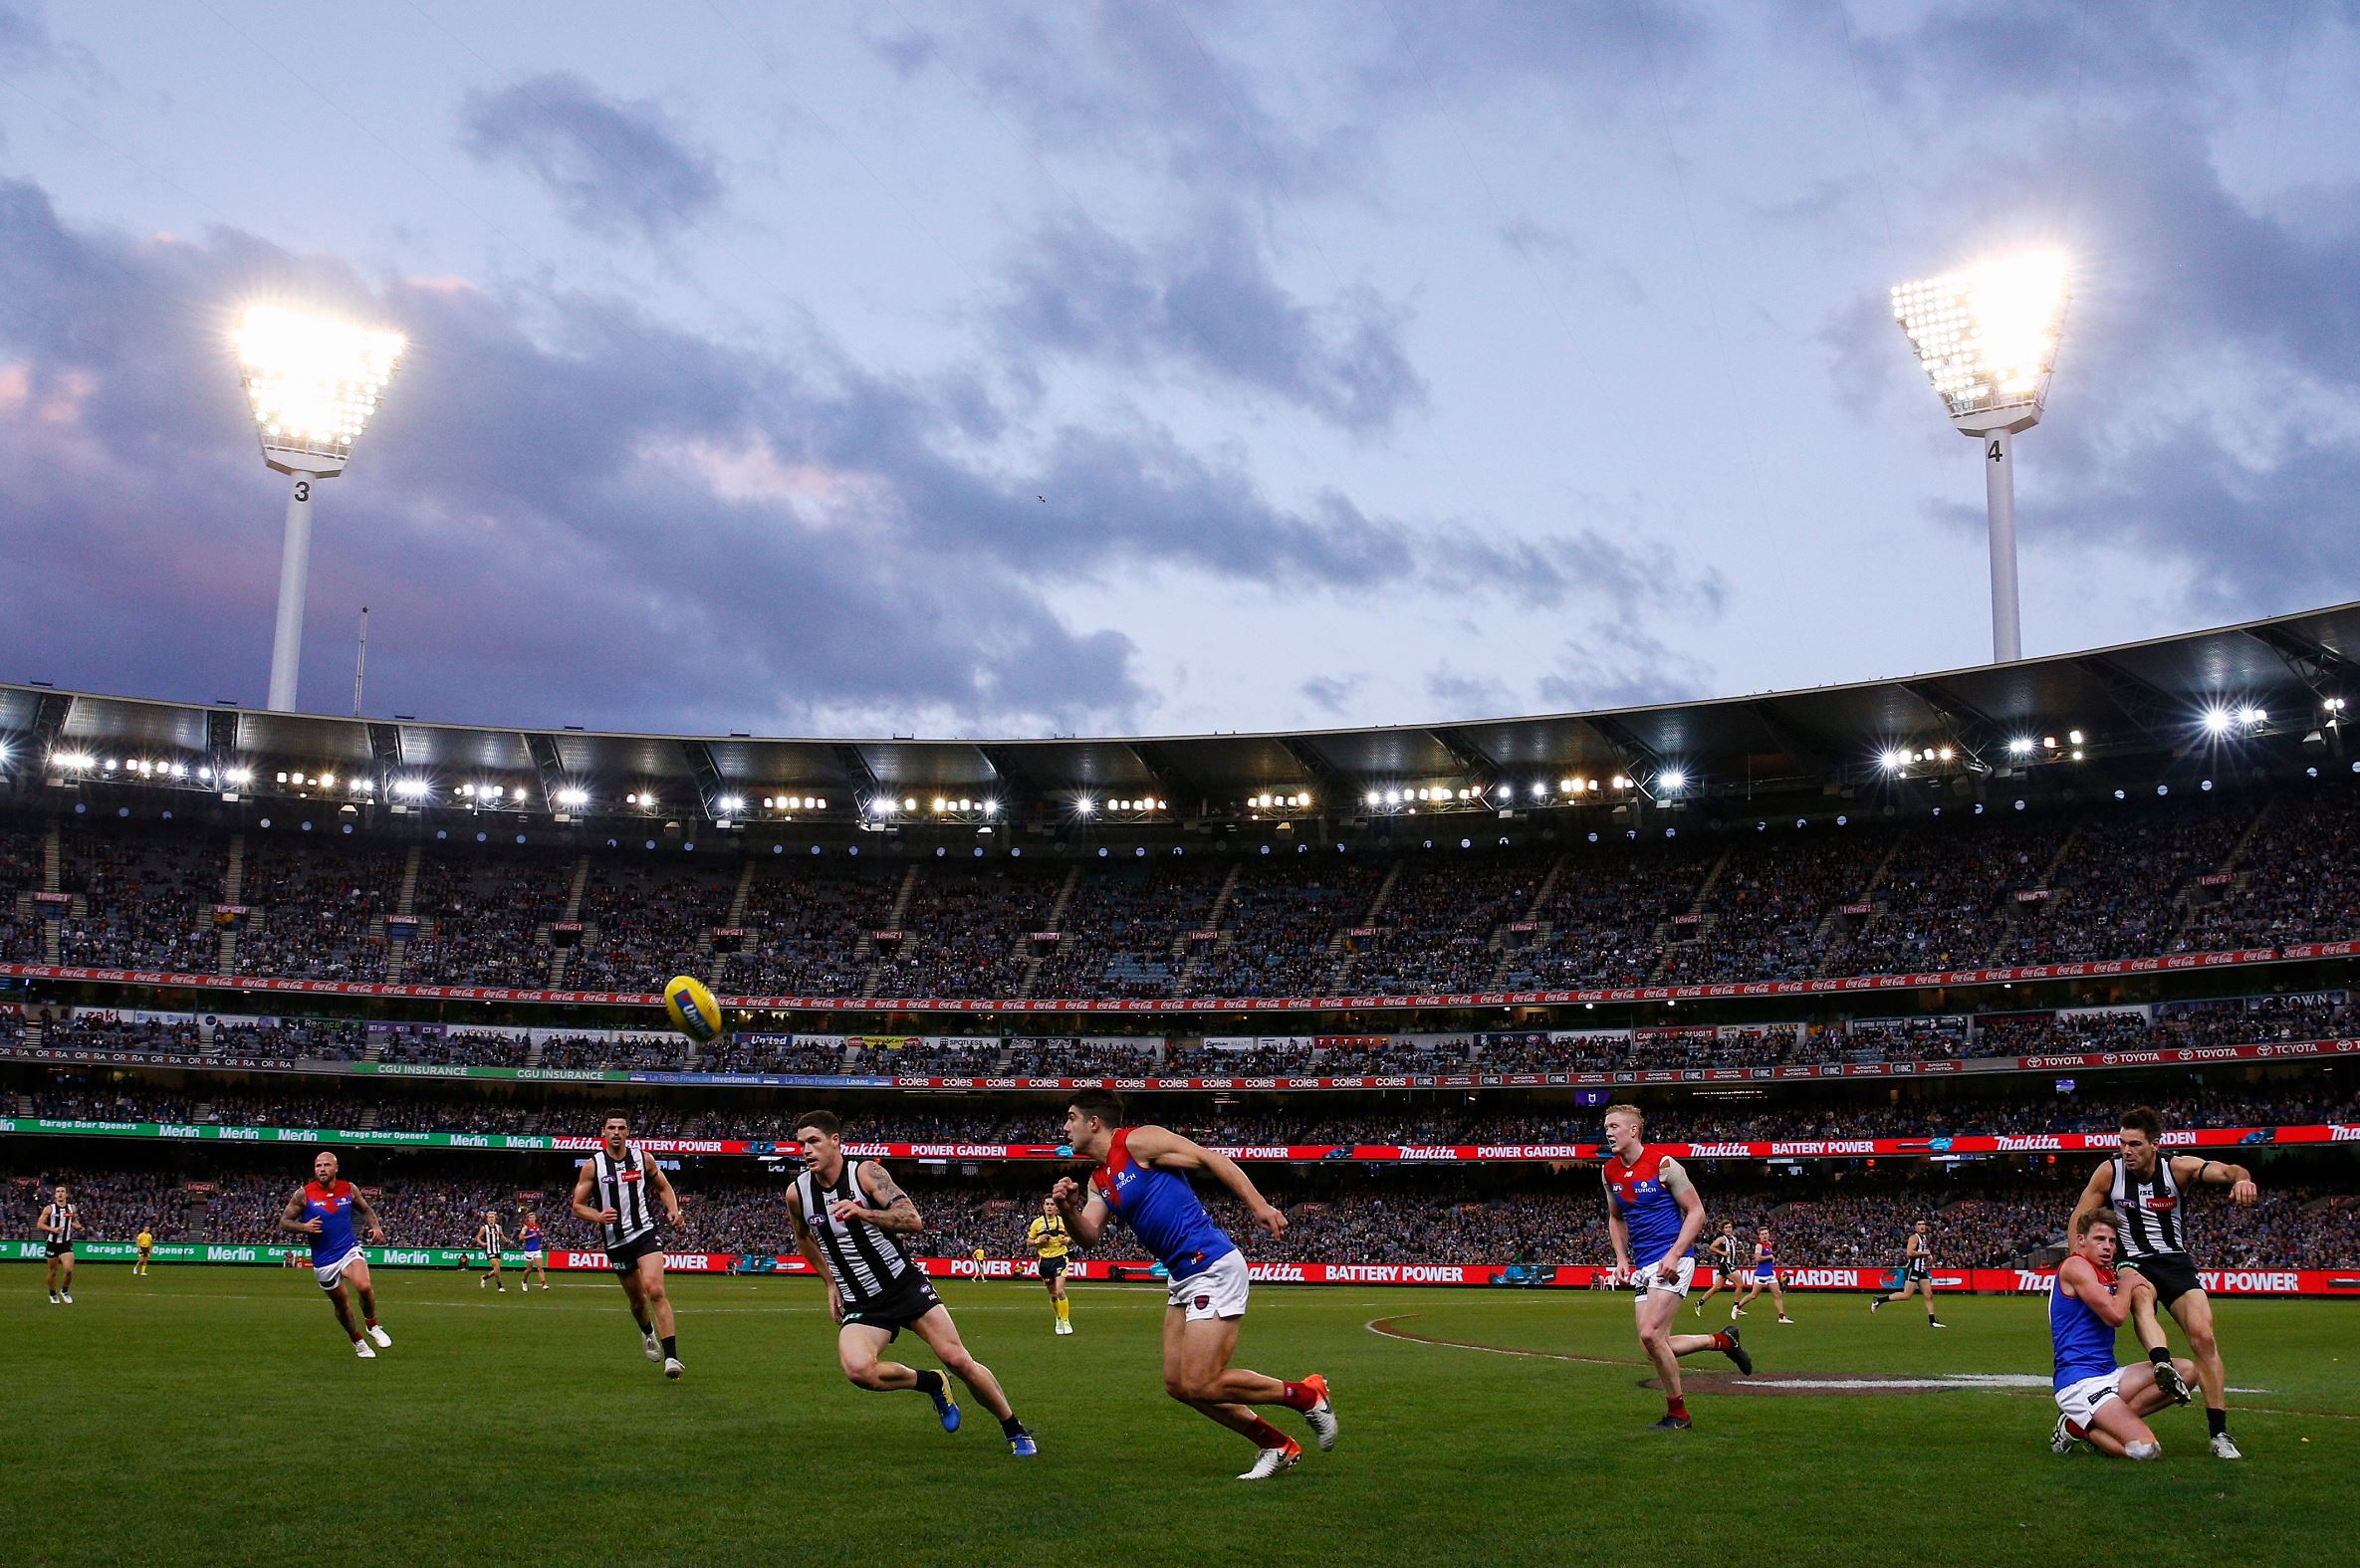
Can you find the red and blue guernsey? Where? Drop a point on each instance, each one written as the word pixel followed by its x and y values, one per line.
pixel 2082 1340
pixel 1646 1207
pixel 331 1206
pixel 1162 1209
pixel 528 1234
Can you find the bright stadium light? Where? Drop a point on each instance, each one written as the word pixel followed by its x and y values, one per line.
pixel 313 384
pixel 572 795
pixel 1672 779
pixel 2219 720
pixel 1988 339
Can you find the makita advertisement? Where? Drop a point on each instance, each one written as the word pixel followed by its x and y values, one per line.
pixel 1989 1281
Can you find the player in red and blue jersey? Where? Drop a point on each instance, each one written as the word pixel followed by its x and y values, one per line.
pixel 2100 1402
pixel 323 1209
pixel 1141 1180
pixel 528 1235
pixel 1653 1213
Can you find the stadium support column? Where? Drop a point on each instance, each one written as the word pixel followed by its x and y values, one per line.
pixel 1998 469
pixel 294 567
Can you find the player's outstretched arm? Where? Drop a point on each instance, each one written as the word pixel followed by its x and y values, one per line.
pixel 1166 1150
pixel 890 1209
pixel 2217 1172
pixel 582 1191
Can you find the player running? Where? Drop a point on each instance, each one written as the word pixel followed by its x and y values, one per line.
pixel 2143 1186
pixel 1916 1274
pixel 1722 1253
pixel 491 1239
pixel 1764 1274
pixel 622 1178
pixel 2099 1402
pixel 323 1209
pixel 146 1244
pixel 849 1219
pixel 60 1223
pixel 528 1236
pixel 1049 1240
pixel 1653 1213
pixel 1141 1179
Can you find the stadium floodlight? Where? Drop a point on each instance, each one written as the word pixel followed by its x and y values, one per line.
pixel 1893 760
pixel 312 385
pixel 2219 720
pixel 1671 779
pixel 1988 339
pixel 572 795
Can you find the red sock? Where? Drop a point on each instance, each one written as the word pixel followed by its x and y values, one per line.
pixel 1720 1340
pixel 1299 1396
pixel 372 1323
pixel 1264 1434
pixel 1676 1407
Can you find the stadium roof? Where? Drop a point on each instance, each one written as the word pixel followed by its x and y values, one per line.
pixel 2272 679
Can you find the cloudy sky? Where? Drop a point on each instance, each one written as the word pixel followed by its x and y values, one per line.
pixel 1157 364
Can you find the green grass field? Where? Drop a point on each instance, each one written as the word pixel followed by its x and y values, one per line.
pixel 216 1416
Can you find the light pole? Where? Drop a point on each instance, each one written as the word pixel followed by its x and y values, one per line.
pixel 312 385
pixel 1988 339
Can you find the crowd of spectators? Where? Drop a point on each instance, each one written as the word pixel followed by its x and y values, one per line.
pixel 144 899
pixel 484 918
pixel 964 930
pixel 2108 880
pixel 316 912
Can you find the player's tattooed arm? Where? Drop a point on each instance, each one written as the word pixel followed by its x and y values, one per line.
pixel 368 1218
pixel 890 1209
pixel 290 1217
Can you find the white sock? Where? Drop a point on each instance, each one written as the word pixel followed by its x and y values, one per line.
pixel 2143 1451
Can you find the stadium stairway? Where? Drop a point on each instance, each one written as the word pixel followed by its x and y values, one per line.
pixel 1824 936
pixel 52 860
pixel 2048 877
pixel 404 903
pixel 1340 946
pixel 738 900
pixel 866 946
pixel 1184 963
pixel 1056 921
pixel 233 885
pixel 1531 916
pixel 562 959
pixel 1705 920
pixel 2232 863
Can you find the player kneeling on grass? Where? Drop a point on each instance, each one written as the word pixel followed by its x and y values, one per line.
pixel 1653 1213
pixel 2101 1403
pixel 849 1217
pixel 1141 1179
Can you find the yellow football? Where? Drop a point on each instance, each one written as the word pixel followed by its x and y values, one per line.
pixel 694 1012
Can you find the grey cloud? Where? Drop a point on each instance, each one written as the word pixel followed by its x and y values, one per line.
pixel 1333 693
pixel 614 167
pixel 1207 302
pixel 1605 49
pixel 1469 696
pixel 24 39
pixel 1620 665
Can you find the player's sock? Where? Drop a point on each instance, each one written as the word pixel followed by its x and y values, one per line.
pixel 1266 1436
pixel 1676 1408
pixel 1010 1426
pixel 2160 1355
pixel 1721 1341
pixel 1300 1396
pixel 671 1347
pixel 646 1329
pixel 930 1381
pixel 2217 1421
pixel 1065 1309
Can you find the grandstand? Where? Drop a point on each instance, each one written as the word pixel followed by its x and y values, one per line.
pixel 1870 954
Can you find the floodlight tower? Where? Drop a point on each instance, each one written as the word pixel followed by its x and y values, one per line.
pixel 313 384
pixel 1988 339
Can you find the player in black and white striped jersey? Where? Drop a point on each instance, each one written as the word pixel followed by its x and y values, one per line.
pixel 61 1222
pixel 849 1217
pixel 2146 1186
pixel 620 1190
